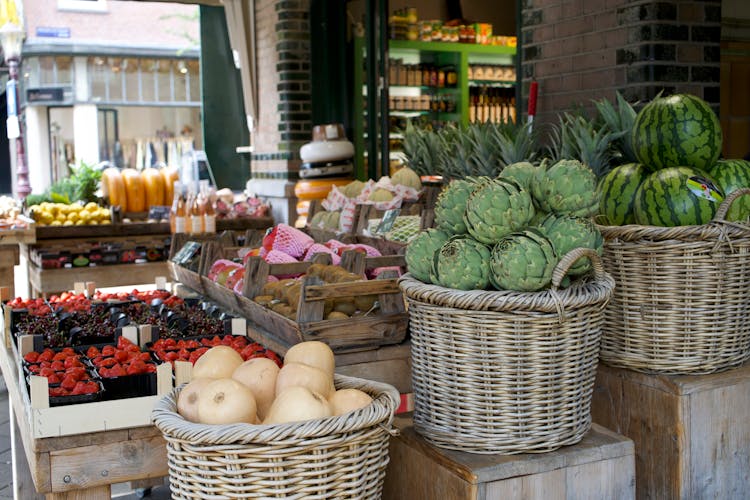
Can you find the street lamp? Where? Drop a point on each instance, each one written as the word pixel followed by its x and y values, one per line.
pixel 11 38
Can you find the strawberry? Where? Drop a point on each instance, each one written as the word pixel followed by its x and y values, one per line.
pixel 31 357
pixel 93 352
pixel 53 379
pixel 117 371
pixel 108 350
pixel 72 361
pixel 122 356
pixel 69 382
pixel 46 372
pixel 89 387
pixel 58 366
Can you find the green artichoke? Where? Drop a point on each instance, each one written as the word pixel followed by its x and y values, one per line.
pixel 567 187
pixel 568 233
pixel 420 251
pixel 497 208
pixel 522 172
pixel 451 203
pixel 523 262
pixel 462 263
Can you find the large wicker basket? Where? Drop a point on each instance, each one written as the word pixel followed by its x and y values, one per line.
pixel 336 457
pixel 682 302
pixel 502 371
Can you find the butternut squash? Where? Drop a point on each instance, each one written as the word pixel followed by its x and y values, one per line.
pixel 113 187
pixel 170 175
pixel 135 190
pixel 153 182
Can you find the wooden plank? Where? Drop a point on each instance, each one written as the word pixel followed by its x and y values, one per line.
pixel 396 372
pixel 691 433
pixel 23 481
pixel 117 462
pixel 352 289
pixel 719 447
pixel 55 280
pixel 101 230
pixel 9 255
pixel 103 492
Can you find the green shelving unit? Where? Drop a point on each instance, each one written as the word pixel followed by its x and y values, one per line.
pixel 458 55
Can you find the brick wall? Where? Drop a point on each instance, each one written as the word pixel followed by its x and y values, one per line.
pixel 581 50
pixel 284 111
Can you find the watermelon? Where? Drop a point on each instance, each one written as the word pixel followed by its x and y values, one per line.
pixel 617 193
pixel 731 175
pixel 679 130
pixel 665 199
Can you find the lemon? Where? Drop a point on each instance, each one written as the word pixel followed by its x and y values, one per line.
pixel 76 208
pixel 68 223
pixel 73 216
pixel 91 206
pixel 80 222
pixel 61 217
pixel 105 221
pixel 55 223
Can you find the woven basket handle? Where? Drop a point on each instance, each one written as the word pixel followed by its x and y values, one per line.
pixel 570 258
pixel 727 203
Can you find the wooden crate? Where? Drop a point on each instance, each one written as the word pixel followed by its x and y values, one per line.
pixel 19 235
pixel 691 433
pixel 601 466
pixel 389 326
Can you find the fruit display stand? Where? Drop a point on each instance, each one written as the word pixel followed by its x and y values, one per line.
pixel 80 450
pixel 10 240
pixel 368 347
pixel 601 465
pixel 691 432
pixel 44 281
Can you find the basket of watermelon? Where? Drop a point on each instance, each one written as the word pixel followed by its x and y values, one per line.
pixel 676 241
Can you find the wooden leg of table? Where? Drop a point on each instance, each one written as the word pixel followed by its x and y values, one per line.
pixel 23 484
pixel 96 493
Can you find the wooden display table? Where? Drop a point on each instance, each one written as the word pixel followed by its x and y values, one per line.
pixel 10 239
pixel 691 433
pixel 600 466
pixel 45 281
pixel 81 466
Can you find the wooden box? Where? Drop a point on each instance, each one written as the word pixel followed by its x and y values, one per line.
pixel 600 466
pixel 691 433
pixel 387 326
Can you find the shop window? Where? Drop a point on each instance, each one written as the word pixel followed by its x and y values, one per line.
pixel 82 5
pixel 99 78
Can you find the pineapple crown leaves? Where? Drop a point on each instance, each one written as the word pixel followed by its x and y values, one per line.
pixel 576 137
pixel 516 143
pixel 620 121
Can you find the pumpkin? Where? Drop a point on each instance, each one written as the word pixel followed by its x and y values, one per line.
pixel 153 182
pixel 135 190
pixel 113 187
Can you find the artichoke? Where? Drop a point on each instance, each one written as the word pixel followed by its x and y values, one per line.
pixel 420 251
pixel 451 203
pixel 567 187
pixel 462 263
pixel 523 262
pixel 567 233
pixel 522 172
pixel 497 208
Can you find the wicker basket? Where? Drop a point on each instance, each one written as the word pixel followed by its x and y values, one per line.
pixel 503 371
pixel 336 457
pixel 682 302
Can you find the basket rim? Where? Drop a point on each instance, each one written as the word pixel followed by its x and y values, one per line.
pixel 713 231
pixel 385 400
pixel 583 292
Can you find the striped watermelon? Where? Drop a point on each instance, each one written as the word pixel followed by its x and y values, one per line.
pixel 664 199
pixel 617 193
pixel 731 175
pixel 679 130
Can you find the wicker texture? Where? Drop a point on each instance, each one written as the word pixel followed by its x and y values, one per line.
pixel 503 371
pixel 336 457
pixel 682 301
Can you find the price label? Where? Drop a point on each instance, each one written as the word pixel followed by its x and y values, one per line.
pixel 386 223
pixel 704 188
